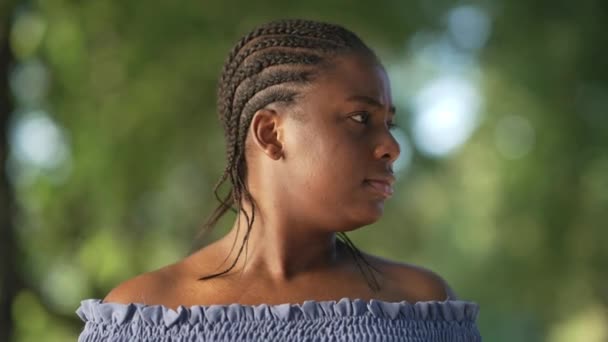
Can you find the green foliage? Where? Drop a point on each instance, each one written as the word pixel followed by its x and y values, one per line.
pixel 514 219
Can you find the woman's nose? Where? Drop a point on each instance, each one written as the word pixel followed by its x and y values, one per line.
pixel 387 147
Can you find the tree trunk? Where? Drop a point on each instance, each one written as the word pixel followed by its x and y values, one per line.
pixel 9 277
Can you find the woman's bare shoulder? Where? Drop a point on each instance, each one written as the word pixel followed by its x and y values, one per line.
pixel 147 288
pixel 416 281
pixel 171 286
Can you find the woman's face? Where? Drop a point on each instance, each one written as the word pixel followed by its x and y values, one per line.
pixel 339 157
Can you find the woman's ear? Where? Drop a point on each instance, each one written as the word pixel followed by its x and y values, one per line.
pixel 266 132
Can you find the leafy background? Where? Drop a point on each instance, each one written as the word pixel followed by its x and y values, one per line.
pixel 111 145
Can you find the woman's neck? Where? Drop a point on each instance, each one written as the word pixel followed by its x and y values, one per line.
pixel 280 246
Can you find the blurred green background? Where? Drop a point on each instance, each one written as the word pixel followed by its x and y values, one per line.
pixel 111 146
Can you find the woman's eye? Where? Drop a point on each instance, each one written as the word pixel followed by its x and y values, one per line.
pixel 360 117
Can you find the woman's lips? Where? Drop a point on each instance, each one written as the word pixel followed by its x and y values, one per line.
pixel 381 187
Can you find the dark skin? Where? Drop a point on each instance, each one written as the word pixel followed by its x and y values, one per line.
pixel 316 167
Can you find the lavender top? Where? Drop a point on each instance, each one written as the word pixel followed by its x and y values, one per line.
pixel 345 320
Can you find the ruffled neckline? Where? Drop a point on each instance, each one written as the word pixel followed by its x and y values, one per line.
pixel 96 311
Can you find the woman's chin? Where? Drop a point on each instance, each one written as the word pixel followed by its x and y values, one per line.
pixel 366 216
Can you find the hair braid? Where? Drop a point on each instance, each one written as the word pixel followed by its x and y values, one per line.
pixel 273 40
pixel 271 64
pixel 298 33
pixel 258 64
pixel 257 84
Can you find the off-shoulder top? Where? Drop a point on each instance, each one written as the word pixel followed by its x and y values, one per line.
pixel 344 320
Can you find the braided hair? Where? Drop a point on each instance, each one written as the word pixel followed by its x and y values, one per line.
pixel 268 65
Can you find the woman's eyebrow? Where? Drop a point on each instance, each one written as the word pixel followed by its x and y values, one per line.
pixel 369 101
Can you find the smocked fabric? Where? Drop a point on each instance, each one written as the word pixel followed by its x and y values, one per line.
pixel 344 320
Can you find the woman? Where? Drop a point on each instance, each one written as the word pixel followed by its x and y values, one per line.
pixel 307 111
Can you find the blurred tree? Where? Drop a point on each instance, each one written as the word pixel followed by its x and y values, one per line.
pixel 10 278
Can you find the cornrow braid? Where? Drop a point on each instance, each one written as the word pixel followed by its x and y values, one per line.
pixel 261 63
pixel 297 27
pixel 271 64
